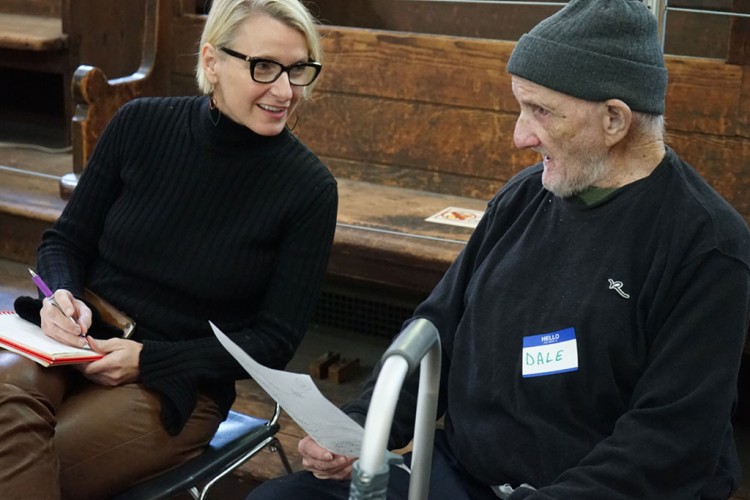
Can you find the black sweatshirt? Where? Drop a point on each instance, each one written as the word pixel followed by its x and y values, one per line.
pixel 178 221
pixel 650 287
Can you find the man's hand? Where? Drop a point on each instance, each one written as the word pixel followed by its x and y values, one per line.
pixel 69 326
pixel 120 364
pixel 322 463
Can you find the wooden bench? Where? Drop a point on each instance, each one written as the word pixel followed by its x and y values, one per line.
pixel 96 98
pixel 410 124
pixel 413 123
pixel 34 36
pixel 33 25
pixel 54 36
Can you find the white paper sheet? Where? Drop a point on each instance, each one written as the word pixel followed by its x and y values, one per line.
pixel 300 398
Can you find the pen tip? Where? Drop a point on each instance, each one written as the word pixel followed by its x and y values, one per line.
pixel 31 272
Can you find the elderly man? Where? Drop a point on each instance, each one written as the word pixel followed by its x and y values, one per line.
pixel 612 254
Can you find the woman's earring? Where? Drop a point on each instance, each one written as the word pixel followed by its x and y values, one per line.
pixel 213 107
pixel 296 121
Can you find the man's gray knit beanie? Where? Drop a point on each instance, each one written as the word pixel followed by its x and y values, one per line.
pixel 597 50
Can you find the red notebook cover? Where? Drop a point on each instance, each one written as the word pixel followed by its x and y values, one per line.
pixel 27 339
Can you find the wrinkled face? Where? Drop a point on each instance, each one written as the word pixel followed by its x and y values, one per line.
pixel 567 132
pixel 264 108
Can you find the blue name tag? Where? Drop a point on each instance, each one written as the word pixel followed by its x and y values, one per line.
pixel 550 353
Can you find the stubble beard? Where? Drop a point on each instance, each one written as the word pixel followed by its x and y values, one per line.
pixel 572 182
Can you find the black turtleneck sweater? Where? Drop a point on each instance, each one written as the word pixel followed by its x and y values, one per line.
pixel 178 222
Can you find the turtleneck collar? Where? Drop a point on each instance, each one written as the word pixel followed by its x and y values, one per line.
pixel 218 130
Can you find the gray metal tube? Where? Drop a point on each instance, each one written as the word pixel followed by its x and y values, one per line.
pixel 418 344
pixel 380 415
pixel 424 426
pixel 413 343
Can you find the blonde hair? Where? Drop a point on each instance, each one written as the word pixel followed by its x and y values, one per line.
pixel 227 16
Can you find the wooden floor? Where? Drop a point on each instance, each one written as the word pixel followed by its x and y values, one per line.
pixel 28 188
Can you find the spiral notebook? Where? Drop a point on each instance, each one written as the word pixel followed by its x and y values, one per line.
pixel 27 339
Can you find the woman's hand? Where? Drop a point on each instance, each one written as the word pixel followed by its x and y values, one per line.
pixel 120 364
pixel 70 325
pixel 322 463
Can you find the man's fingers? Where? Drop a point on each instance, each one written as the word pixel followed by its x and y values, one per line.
pixel 337 475
pixel 309 448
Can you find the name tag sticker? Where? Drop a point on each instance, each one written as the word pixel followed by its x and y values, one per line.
pixel 550 353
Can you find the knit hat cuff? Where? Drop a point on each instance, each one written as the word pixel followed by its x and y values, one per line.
pixel 589 75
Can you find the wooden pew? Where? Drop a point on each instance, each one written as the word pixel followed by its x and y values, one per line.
pixel 96 97
pixel 35 36
pixel 408 122
pixel 54 36
pixel 413 123
pixel 33 25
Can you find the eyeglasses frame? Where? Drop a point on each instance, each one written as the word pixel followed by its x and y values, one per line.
pixel 284 69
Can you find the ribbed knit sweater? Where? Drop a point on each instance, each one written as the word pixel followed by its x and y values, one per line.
pixel 179 221
pixel 653 285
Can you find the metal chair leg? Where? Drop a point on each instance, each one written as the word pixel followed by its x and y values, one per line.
pixel 276 446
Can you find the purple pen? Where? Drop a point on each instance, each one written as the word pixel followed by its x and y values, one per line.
pixel 39 282
pixel 42 286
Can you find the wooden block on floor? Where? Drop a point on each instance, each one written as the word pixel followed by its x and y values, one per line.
pixel 344 370
pixel 319 367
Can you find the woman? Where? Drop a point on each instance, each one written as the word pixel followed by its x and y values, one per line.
pixel 191 209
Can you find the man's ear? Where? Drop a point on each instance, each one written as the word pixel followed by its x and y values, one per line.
pixel 209 58
pixel 617 121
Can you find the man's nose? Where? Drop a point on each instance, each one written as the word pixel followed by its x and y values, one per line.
pixel 523 137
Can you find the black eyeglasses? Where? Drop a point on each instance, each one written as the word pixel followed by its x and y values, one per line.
pixel 268 71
